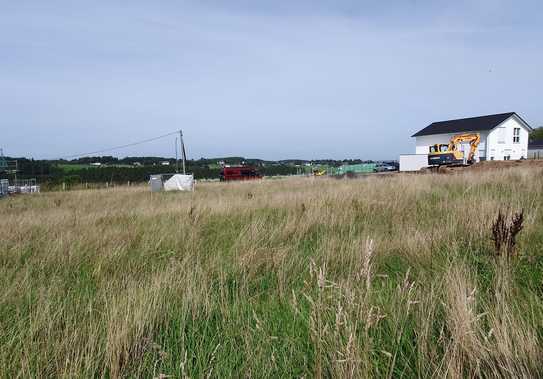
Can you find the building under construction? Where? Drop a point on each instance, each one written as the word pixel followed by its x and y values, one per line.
pixel 9 183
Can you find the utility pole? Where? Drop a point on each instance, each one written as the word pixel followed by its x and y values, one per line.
pixel 183 154
pixel 176 158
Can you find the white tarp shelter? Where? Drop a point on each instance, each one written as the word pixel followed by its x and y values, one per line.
pixel 179 182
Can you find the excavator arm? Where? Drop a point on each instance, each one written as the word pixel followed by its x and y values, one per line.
pixel 473 138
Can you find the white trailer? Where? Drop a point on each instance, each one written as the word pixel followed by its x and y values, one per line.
pixel 413 162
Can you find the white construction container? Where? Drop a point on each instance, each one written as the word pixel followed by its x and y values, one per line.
pixel 4 185
pixel 155 181
pixel 413 162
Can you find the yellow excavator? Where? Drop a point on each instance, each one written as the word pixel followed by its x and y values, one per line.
pixel 318 172
pixel 450 154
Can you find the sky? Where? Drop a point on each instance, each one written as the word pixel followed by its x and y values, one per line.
pixel 264 79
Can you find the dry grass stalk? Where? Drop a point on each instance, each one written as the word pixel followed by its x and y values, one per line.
pixel 504 233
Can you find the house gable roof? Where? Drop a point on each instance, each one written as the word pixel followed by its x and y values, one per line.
pixel 471 124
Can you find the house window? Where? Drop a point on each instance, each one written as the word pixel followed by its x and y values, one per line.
pixel 516 135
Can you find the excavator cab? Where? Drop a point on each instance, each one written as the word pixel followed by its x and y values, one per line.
pixel 439 148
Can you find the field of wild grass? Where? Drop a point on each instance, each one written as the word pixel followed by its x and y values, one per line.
pixel 378 277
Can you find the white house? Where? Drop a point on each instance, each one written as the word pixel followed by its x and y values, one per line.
pixel 504 136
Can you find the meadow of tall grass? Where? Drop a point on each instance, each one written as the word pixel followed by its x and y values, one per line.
pixel 378 277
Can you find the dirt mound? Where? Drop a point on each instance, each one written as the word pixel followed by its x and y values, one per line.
pixel 496 165
pixel 491 165
pixel 483 166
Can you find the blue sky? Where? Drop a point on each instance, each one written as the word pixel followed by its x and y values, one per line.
pixel 266 79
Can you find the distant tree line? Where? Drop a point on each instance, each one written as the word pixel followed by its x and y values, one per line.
pixel 54 173
pixel 138 169
pixel 537 134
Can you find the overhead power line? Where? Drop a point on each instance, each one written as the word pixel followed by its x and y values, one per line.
pixel 119 147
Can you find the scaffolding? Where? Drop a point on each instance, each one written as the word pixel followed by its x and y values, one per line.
pixel 23 186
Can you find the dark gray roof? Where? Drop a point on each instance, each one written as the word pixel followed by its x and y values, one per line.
pixel 472 124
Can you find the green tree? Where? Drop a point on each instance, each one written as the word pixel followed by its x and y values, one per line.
pixel 536 134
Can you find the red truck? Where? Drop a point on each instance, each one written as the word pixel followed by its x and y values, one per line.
pixel 239 173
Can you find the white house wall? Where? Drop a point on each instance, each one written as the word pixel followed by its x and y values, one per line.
pixel 423 143
pixel 500 141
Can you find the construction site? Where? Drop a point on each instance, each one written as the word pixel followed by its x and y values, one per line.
pixel 10 184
